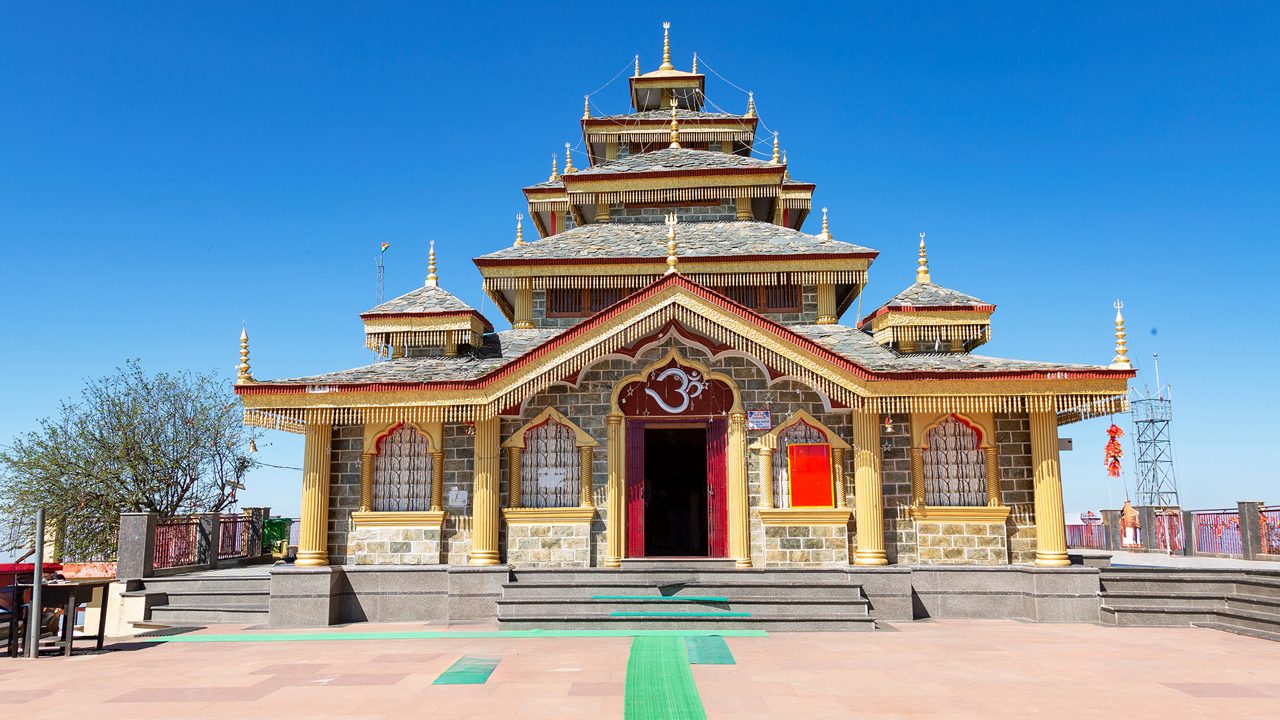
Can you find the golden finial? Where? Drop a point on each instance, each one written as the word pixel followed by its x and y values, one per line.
pixel 637 73
pixel 519 229
pixel 666 47
pixel 432 279
pixel 826 229
pixel 786 171
pixel 568 160
pixel 1121 360
pixel 751 104
pixel 922 272
pixel 672 258
pixel 555 173
pixel 675 126
pixel 695 63
pixel 775 159
pixel 243 376
pixel 586 107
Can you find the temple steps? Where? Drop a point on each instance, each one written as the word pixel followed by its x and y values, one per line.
pixel 200 598
pixel 1243 601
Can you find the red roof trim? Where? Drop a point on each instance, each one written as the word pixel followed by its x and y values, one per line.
pixel 660 123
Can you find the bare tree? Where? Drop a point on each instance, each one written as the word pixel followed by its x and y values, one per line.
pixel 132 442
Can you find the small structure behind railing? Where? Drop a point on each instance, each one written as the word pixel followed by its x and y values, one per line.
pixel 233 536
pixel 1270 530
pixel 1169 531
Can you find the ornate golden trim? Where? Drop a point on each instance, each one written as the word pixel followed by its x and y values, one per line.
pixel 420 518
pixel 793 517
pixel 674 354
pixel 961 514
pixel 770 439
pixel 549 516
pixel 581 438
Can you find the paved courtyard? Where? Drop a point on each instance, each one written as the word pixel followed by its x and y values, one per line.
pixel 952 669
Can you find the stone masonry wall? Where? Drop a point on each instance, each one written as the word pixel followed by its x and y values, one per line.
pixel 895 466
pixel 806 545
pixel 961 543
pixel 726 210
pixel 1017 484
pixel 808 311
pixel 459 448
pixel 566 545
pixel 395 546
pixel 344 488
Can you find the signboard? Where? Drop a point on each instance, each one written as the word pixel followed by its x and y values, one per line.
pixel 809 467
pixel 759 420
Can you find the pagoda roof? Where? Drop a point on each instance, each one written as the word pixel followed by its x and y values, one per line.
pixel 928 296
pixel 675 160
pixel 681 114
pixel 426 299
pixel 723 239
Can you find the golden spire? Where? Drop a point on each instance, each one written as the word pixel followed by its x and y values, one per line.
pixel 586 107
pixel 695 63
pixel 775 159
pixel 922 272
pixel 568 160
pixel 751 104
pixel 555 173
pixel 675 126
pixel 519 229
pixel 826 229
pixel 243 376
pixel 432 279
pixel 786 171
pixel 672 259
pixel 1121 360
pixel 637 73
pixel 666 48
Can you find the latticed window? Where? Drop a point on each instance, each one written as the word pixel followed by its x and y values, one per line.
pixel 800 433
pixel 765 298
pixel 581 302
pixel 549 469
pixel 954 466
pixel 402 472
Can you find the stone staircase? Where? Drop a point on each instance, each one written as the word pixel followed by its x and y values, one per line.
pixel 204 598
pixel 1246 602
pixel 683 594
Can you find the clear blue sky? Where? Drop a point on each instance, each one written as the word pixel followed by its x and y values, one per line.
pixel 167 171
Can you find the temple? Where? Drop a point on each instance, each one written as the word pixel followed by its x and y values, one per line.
pixel 686 375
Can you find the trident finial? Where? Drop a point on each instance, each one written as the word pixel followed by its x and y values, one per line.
pixel 666 47
pixel 243 376
pixel 519 229
pixel 432 279
pixel 637 72
pixel 776 159
pixel 568 160
pixel 672 259
pixel 675 125
pixel 751 104
pixel 555 173
pixel 586 107
pixel 826 229
pixel 922 272
pixel 1121 360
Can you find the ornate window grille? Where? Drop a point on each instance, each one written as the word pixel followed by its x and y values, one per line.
pixel 954 466
pixel 402 472
pixel 549 471
pixel 800 433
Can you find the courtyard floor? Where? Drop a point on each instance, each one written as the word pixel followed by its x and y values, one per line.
pixel 948 668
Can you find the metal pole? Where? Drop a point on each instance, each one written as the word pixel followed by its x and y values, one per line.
pixel 35 610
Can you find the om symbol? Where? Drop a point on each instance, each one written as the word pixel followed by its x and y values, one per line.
pixel 690 386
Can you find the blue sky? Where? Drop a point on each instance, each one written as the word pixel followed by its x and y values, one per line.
pixel 167 171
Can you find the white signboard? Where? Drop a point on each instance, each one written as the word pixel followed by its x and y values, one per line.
pixel 759 420
pixel 552 479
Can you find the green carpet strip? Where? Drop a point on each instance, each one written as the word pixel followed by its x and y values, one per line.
pixel 468 670
pixel 444 635
pixel 664 598
pixel 659 682
pixel 677 614
pixel 708 650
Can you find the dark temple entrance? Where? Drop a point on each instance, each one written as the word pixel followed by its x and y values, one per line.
pixel 675 490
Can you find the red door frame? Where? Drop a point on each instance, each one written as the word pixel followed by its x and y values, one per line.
pixel 717 483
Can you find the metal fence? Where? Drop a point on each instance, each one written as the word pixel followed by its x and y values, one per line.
pixel 1217 532
pixel 1271 530
pixel 1169 531
pixel 1092 537
pixel 233 536
pixel 177 543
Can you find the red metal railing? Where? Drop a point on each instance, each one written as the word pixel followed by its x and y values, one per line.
pixel 1169 531
pixel 177 543
pixel 1271 530
pixel 1217 532
pixel 1086 536
pixel 233 536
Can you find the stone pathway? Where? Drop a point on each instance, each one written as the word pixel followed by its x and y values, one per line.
pixel 951 669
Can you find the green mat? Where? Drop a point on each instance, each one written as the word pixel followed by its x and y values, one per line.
pixel 659 682
pixel 444 635
pixel 676 614
pixel 468 670
pixel 708 650
pixel 664 598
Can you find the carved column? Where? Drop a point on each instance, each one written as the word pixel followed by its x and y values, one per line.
pixel 917 477
pixel 826 304
pixel 450 344
pixel 615 497
pixel 313 536
pixel 484 502
pixel 515 458
pixel 743 209
pixel 437 480
pixel 868 494
pixel 736 463
pixel 1051 531
pixel 584 477
pixel 837 474
pixel 524 307
pixel 993 476
pixel 366 481
pixel 766 478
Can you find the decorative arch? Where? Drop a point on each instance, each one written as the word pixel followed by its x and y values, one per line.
pixel 958 481
pixel 774 467
pixel 531 481
pixel 673 358
pixel 423 503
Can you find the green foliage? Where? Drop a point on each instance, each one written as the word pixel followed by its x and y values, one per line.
pixel 132 442
pixel 274 530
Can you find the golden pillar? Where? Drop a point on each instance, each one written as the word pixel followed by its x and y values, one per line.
pixel 993 476
pixel 437 481
pixel 313 536
pixel 484 500
pixel 584 477
pixel 766 477
pixel 615 498
pixel 366 481
pixel 917 477
pixel 524 307
pixel 736 460
pixel 742 211
pixel 868 495
pixel 450 344
pixel 826 304
pixel 1051 530
pixel 515 458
